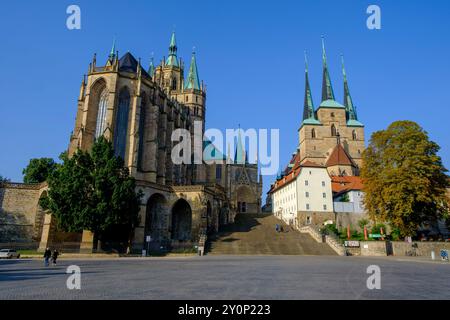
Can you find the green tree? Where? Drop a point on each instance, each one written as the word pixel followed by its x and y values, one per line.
pixel 38 170
pixel 93 191
pixel 3 179
pixel 362 223
pixel 404 179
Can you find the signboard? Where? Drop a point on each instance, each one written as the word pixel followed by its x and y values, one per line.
pixel 375 235
pixel 148 238
pixel 351 244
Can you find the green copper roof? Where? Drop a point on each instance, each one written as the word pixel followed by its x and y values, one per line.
pixel 112 54
pixel 172 59
pixel 327 88
pixel 309 116
pixel 311 121
pixel 330 104
pixel 354 123
pixel 348 102
pixel 210 151
pixel 192 81
pixel 151 68
pixel 240 156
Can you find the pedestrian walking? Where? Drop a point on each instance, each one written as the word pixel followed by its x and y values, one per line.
pixel 47 256
pixel 55 256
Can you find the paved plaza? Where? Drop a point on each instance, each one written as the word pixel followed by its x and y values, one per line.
pixel 226 277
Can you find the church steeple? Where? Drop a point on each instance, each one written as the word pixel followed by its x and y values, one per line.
pixel 151 68
pixel 172 59
pixel 192 81
pixel 348 102
pixel 309 116
pixel 112 53
pixel 327 88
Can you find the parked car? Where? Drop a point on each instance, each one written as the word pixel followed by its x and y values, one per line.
pixel 9 254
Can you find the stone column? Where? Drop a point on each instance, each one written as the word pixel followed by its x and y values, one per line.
pixel 47 233
pixel 133 135
pixel 169 165
pixel 138 242
pixel 161 172
pixel 87 242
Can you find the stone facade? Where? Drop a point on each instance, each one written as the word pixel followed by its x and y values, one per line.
pixel 138 110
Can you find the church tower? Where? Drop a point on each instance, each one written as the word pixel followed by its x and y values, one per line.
pixel 331 134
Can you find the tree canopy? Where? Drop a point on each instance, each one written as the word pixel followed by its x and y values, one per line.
pixel 38 170
pixel 404 179
pixel 93 191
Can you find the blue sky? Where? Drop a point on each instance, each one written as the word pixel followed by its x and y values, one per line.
pixel 250 54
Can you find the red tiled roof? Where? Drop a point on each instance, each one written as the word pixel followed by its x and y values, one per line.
pixel 346 183
pixel 339 157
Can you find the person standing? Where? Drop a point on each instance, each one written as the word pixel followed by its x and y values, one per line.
pixel 47 255
pixel 55 256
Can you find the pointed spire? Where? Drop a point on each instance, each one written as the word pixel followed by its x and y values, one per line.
pixel 151 69
pixel 172 59
pixel 308 106
pixel 348 102
pixel 239 156
pixel 192 81
pixel 112 53
pixel 327 88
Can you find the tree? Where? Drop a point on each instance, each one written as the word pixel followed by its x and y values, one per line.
pixel 404 179
pixel 93 191
pixel 38 170
pixel 3 179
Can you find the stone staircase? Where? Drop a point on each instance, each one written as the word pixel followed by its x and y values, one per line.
pixel 254 234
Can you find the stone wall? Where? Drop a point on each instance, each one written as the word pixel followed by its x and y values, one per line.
pixel 20 213
pixel 398 248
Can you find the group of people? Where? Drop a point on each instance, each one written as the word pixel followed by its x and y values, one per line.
pixel 279 228
pixel 49 255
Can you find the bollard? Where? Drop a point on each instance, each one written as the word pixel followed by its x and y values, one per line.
pixel 433 255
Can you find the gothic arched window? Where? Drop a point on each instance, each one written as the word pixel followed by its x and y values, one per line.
pixel 142 120
pixel 101 114
pixel 174 84
pixel 354 135
pixel 121 125
pixel 333 130
pixel 313 133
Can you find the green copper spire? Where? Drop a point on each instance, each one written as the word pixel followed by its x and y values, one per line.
pixel 112 54
pixel 348 102
pixel 308 106
pixel 192 81
pixel 172 59
pixel 327 88
pixel 240 156
pixel 151 68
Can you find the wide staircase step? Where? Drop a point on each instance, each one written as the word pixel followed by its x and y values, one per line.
pixel 254 234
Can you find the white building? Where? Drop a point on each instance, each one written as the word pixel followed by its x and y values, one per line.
pixel 302 194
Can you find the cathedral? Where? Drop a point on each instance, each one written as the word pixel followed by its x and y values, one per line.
pixel 137 109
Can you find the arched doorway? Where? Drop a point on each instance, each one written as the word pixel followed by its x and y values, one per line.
pixel 245 200
pixel 181 221
pixel 154 216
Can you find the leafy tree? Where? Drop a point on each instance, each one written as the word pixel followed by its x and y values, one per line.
pixel 93 191
pixel 3 180
pixel 345 198
pixel 362 223
pixel 404 179
pixel 38 170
